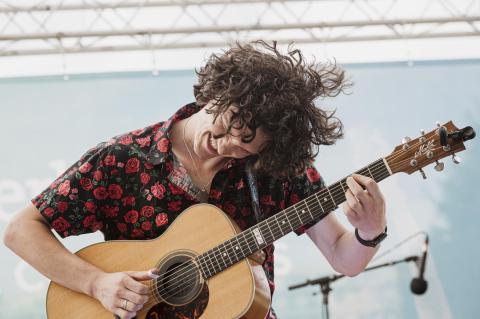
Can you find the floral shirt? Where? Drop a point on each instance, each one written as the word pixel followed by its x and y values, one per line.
pixel 128 188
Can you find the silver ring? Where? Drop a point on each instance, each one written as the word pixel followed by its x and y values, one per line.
pixel 125 305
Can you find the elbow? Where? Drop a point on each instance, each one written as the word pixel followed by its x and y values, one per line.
pixel 8 235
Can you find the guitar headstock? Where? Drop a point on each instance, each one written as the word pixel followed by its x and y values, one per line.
pixel 414 154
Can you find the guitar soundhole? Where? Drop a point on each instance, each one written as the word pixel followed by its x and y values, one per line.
pixel 180 280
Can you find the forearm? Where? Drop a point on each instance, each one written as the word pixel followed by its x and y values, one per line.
pixel 46 254
pixel 349 256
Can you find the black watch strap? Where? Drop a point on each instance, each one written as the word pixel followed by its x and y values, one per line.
pixel 371 243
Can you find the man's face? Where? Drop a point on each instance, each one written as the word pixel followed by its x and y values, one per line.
pixel 229 145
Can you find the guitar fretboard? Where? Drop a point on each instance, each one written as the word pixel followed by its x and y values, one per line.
pixel 257 237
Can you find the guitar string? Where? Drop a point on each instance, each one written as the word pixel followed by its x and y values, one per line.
pixel 335 194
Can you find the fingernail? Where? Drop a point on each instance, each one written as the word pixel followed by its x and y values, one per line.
pixel 152 274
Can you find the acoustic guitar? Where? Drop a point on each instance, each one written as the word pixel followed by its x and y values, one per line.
pixel 204 260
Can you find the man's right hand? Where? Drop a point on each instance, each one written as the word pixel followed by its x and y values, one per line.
pixel 121 293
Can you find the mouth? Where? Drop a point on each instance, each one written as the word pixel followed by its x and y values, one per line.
pixel 211 145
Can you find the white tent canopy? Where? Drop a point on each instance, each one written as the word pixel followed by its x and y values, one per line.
pixel 56 37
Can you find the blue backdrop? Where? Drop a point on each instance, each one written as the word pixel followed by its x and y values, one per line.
pixel 47 123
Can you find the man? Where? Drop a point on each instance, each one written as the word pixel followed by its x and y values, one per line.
pixel 254 106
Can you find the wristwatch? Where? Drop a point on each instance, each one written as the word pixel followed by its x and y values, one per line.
pixel 371 243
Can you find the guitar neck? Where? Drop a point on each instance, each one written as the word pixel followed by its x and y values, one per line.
pixel 267 231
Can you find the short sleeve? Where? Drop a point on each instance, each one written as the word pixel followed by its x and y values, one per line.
pixel 71 203
pixel 301 187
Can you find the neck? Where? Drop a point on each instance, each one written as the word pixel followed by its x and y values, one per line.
pixel 182 139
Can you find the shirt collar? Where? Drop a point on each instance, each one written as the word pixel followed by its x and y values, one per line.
pixel 161 145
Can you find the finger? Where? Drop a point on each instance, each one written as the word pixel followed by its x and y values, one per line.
pixel 369 184
pixel 353 203
pixel 356 189
pixel 135 286
pixel 350 213
pixel 143 275
pixel 133 299
pixel 123 314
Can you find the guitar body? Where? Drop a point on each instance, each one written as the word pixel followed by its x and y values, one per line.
pixel 240 291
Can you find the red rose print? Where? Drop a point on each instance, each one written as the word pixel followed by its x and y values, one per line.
pixel 85 167
pixel 148 165
pixel 158 190
pixel 48 211
pixel 146 225
pixel 147 211
pixel 175 190
pixel 89 221
pixel 115 191
pixel 137 232
pixel 162 145
pixel 91 207
pixel 98 175
pixel 158 135
pixel 215 193
pixel 267 200
pixel 100 193
pixel 174 206
pixel 64 188
pixel 229 208
pixel 138 132
pixel 312 175
pixel 122 227
pixel 143 142
pixel 245 211
pixel 132 166
pixel 161 219
pixel 60 224
pixel 126 140
pixel 86 183
pixel 110 211
pixel 128 201
pixel 109 160
pixel 294 198
pixel 144 178
pixel 131 216
pixel 62 207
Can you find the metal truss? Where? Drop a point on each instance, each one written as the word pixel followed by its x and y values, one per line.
pixel 56 27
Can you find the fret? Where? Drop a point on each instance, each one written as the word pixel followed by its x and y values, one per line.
pixel 219 255
pixel 203 268
pixel 370 173
pixel 328 189
pixel 341 185
pixel 227 254
pixel 297 215
pixel 209 262
pixel 319 202
pixel 254 238
pixel 270 230
pixel 222 256
pixel 285 224
pixel 278 223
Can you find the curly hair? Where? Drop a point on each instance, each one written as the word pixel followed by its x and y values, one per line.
pixel 277 93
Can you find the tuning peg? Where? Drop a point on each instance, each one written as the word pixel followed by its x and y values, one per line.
pixel 438 123
pixel 422 138
pixel 406 139
pixel 456 159
pixel 439 166
pixel 423 173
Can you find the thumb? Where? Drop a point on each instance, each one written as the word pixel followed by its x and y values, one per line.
pixel 143 275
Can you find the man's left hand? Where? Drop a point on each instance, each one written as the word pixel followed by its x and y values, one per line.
pixel 365 206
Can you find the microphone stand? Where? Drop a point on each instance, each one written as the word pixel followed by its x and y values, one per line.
pixel 324 282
